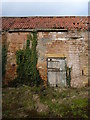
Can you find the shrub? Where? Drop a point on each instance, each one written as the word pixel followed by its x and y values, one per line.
pixel 27 60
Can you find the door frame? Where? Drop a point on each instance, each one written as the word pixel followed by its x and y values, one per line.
pixel 64 58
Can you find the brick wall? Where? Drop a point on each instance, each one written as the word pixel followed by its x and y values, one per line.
pixel 73 45
pixel 15 42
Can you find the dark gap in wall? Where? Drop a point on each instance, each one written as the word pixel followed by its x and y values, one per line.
pixel 13 65
pixel 41 30
pixel 82 72
pixel 54 30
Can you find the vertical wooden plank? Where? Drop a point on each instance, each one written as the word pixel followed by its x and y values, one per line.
pixel 52 78
pixel 62 72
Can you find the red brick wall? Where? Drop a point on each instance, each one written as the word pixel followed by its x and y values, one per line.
pixel 15 42
pixel 75 50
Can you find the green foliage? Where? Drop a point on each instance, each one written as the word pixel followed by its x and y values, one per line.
pixel 34 58
pixel 26 99
pixel 79 107
pixel 27 60
pixel 68 76
pixel 4 58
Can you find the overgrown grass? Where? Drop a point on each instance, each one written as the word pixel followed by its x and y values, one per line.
pixel 66 103
pixel 61 102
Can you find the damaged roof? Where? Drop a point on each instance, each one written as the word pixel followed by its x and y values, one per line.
pixel 69 23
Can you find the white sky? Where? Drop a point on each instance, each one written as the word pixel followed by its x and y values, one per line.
pixel 45 1
pixel 44 8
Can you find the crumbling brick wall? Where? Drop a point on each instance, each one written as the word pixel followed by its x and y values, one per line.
pixel 73 45
pixel 15 42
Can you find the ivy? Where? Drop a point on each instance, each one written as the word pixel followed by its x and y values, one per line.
pixel 4 58
pixel 27 60
pixel 68 76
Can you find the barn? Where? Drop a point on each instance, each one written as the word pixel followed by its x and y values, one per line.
pixel 62 43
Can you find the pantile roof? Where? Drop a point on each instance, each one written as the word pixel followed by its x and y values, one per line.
pixel 70 23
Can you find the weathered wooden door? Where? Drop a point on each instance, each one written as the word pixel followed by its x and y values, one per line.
pixel 56 72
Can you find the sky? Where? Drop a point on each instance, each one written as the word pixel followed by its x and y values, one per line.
pixel 46 8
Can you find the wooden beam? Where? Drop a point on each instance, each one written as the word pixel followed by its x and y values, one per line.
pixel 55 55
pixel 38 30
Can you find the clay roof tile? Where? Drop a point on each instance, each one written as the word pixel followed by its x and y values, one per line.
pixel 69 23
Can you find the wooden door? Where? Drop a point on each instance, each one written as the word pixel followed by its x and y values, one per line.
pixel 56 72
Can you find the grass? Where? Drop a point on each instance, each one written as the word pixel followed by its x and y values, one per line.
pixel 27 102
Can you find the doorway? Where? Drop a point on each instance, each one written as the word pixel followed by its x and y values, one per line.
pixel 56 71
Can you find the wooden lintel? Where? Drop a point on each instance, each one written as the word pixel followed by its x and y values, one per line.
pixel 38 30
pixel 55 56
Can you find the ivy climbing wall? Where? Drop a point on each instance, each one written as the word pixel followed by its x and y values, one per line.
pixel 73 45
